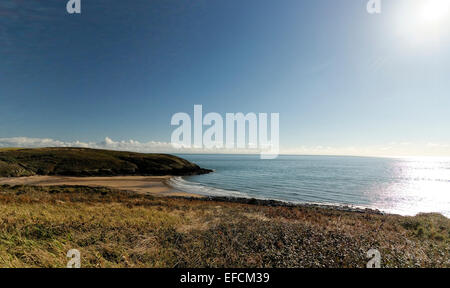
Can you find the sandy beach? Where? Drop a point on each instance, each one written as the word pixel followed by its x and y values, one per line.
pixel 153 185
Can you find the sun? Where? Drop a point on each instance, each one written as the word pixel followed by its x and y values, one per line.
pixel 434 11
pixel 423 22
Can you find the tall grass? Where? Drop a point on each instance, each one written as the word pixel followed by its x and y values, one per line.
pixel 38 225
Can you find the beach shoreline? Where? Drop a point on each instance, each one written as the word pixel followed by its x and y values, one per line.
pixel 159 186
pixel 150 185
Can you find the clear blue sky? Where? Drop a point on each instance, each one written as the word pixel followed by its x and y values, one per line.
pixel 338 76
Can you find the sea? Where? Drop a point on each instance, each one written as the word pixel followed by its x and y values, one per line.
pixel 405 186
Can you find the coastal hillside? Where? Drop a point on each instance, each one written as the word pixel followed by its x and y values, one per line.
pixel 91 162
pixel 111 228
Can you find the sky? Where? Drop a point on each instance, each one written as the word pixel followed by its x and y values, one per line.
pixel 345 82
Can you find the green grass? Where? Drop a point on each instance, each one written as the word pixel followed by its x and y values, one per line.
pixel 428 226
pixel 90 162
pixel 38 225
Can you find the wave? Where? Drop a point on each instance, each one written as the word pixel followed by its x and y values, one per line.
pixel 196 188
pixel 177 182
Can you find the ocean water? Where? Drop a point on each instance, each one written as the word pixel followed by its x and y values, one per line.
pixel 405 186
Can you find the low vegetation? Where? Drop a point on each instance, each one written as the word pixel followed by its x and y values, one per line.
pixel 38 225
pixel 90 162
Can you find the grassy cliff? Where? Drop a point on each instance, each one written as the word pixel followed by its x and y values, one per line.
pixel 90 162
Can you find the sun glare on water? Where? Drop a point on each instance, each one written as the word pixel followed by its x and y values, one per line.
pixel 422 184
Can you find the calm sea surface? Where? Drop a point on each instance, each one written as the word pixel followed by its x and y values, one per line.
pixel 402 186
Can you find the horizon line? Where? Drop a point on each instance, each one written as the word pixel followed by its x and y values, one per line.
pixel 233 153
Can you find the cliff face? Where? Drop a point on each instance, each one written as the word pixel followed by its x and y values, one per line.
pixel 91 162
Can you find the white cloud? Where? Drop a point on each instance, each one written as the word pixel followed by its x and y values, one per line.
pixel 108 143
pixel 390 149
pixel 32 142
pixel 438 145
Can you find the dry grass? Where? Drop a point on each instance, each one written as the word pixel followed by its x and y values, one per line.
pixel 38 225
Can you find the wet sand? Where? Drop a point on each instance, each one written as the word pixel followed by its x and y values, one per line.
pixel 153 185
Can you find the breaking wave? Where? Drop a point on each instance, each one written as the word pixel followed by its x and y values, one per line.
pixel 196 188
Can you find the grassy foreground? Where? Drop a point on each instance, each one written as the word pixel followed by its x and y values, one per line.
pixel 38 225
